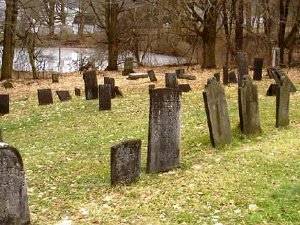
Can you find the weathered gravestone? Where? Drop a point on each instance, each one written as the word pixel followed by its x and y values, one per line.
pixel 272 90
pixel 111 82
pixel 104 97
pixel 55 77
pixel 164 130
pixel 225 75
pixel 77 92
pixel 4 104
pixel 276 74
pixel 152 76
pixel 151 87
pixel 90 85
pixel 125 162
pixel 171 80
pixel 249 108
pixel 242 66
pixel 282 103
pixel 180 73
pixel 184 87
pixel 217 76
pixel 232 77
pixel 64 95
pixel 135 76
pixel 275 57
pixel 45 96
pixel 13 191
pixel 128 66
pixel 258 66
pixel 217 113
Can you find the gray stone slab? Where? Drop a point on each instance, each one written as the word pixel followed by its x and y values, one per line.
pixel 64 95
pixel 217 113
pixel 282 103
pixel 111 82
pixel 171 80
pixel 164 130
pixel 128 66
pixel 249 108
pixel 242 66
pixel 135 76
pixel 14 208
pixel 105 97
pixel 45 96
pixel 4 104
pixel 90 85
pixel 152 76
pixel 275 57
pixel 258 66
pixel 126 162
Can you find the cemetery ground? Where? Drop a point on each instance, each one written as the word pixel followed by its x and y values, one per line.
pixel 66 153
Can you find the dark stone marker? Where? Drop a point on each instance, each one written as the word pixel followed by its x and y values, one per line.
pixel 164 130
pixel 249 108
pixel 217 76
pixel 171 80
pixel 184 87
pixel 128 66
pixel 118 91
pixel 217 113
pixel 242 66
pixel 55 77
pixel 14 208
pixel 45 96
pixel 225 75
pixel 282 103
pixel 64 95
pixel 4 104
pixel 105 97
pixel 180 72
pixel 232 77
pixel 77 92
pixel 152 76
pixel 151 87
pixel 111 82
pixel 258 66
pixel 125 162
pixel 90 85
pixel 276 74
pixel 272 91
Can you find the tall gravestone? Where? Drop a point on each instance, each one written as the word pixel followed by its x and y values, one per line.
pixel 152 76
pixel 45 96
pixel 111 82
pixel 249 108
pixel 128 66
pixel 4 104
pixel 164 130
pixel 258 66
pixel 55 77
pixel 225 75
pixel 64 95
pixel 242 66
pixel 282 103
pixel 275 57
pixel 171 80
pixel 90 85
pixel 217 113
pixel 105 97
pixel 14 208
pixel 126 162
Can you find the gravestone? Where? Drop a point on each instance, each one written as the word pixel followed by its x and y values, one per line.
pixel 258 66
pixel 225 75
pixel 90 85
pixel 164 130
pixel 111 82
pixel 152 76
pixel 135 76
pixel 128 66
pixel 45 96
pixel 104 97
pixel 242 66
pixel 217 113
pixel 14 208
pixel 184 87
pixel 64 95
pixel 171 80
pixel 249 108
pixel 118 91
pixel 180 72
pixel 55 77
pixel 77 92
pixel 217 76
pixel 125 162
pixel 4 104
pixel 282 103
pixel 276 74
pixel 272 90
pixel 275 57
pixel 151 87
pixel 232 77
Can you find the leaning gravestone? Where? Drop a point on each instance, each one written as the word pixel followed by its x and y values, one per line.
pixel 225 75
pixel 13 191
pixel 258 66
pixel 90 85
pixel 217 113
pixel 77 91
pixel 4 104
pixel 111 82
pixel 164 130
pixel 242 66
pixel 248 108
pixel 276 74
pixel 64 95
pixel 152 76
pixel 282 103
pixel 55 77
pixel 45 96
pixel 128 66
pixel 104 97
pixel 232 77
pixel 171 80
pixel 272 90
pixel 125 162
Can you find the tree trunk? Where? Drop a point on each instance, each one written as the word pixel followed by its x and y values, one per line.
pixel 8 41
pixel 51 17
pixel 63 12
pixel 239 26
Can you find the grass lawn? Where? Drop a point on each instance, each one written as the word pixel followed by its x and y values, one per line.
pixel 66 152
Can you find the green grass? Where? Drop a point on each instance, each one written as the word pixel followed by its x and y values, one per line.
pixel 66 151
